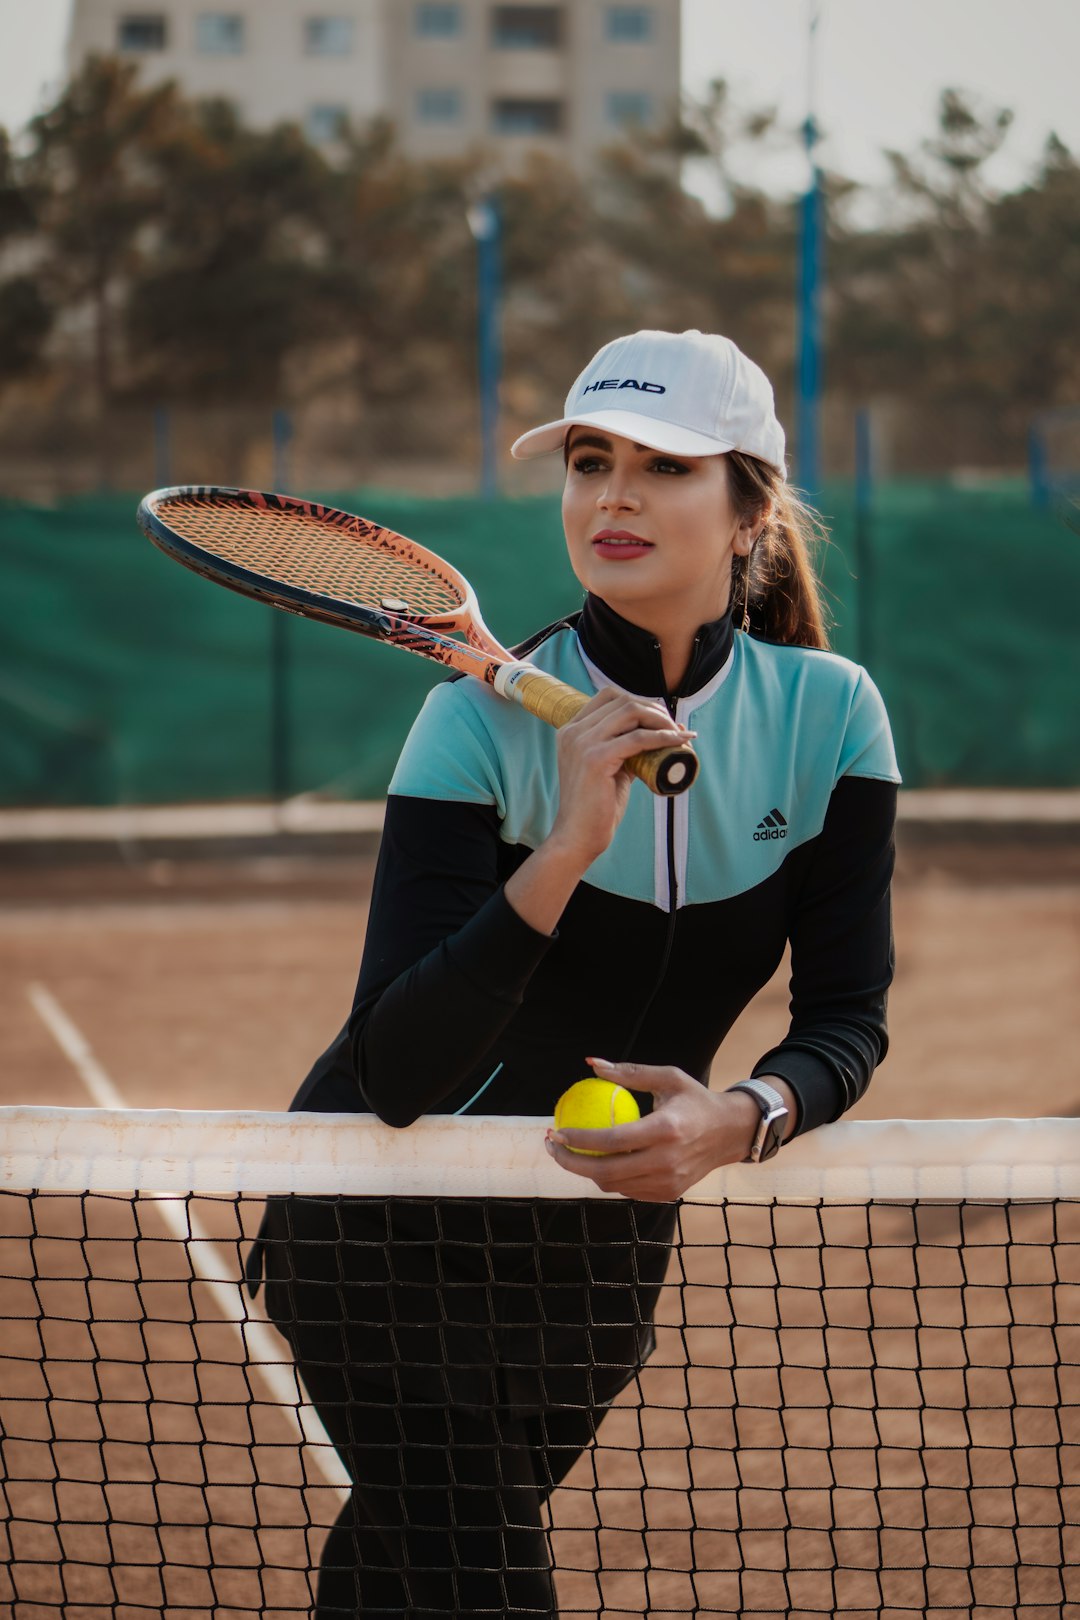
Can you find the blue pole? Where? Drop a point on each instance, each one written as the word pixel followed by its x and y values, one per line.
pixel 864 556
pixel 283 433
pixel 808 379
pixel 162 448
pixel 1038 472
pixel 811 234
pixel 485 224
pixel 864 461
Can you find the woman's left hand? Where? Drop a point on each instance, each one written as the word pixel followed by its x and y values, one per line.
pixel 690 1131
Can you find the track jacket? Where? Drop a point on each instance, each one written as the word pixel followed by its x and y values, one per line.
pixel 787 835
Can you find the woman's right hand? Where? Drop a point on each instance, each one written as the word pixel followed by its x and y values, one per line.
pixel 594 784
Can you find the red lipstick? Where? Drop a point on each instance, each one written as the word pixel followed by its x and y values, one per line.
pixel 620 545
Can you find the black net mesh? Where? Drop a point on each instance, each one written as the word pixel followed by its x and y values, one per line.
pixel 855 1409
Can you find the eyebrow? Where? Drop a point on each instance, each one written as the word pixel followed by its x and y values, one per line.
pixel 597 441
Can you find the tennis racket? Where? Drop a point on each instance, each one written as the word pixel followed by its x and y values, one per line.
pixel 341 569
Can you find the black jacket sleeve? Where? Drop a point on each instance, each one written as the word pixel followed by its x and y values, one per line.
pixel 841 955
pixel 447 958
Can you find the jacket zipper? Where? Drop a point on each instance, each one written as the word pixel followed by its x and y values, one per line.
pixel 669 937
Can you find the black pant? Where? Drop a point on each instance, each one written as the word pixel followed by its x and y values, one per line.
pixel 445 1515
pixel 460 1358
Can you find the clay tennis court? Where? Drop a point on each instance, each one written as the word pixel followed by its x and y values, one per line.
pixel 822 1486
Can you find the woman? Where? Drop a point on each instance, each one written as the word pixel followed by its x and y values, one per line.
pixel 534 914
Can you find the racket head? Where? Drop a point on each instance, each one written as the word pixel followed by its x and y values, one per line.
pixel 344 570
pixel 312 559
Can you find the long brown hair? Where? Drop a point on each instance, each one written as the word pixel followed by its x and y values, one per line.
pixel 777 582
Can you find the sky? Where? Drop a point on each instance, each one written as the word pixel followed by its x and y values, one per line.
pixel 880 68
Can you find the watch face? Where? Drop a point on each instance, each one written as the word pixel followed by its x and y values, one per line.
pixel 771 1145
pixel 770 1135
pixel 770 1132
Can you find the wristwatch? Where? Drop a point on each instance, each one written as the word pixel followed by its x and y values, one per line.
pixel 774 1113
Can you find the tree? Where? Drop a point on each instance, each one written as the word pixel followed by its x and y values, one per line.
pixel 399 315
pixel 730 270
pixel 233 286
pixel 25 315
pixel 568 287
pixel 908 303
pixel 710 130
pixel 90 163
pixel 1031 316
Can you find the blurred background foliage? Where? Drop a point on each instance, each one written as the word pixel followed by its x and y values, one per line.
pixel 158 255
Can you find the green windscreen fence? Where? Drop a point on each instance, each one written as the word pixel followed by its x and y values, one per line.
pixel 124 679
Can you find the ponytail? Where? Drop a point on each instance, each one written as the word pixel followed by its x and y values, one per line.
pixel 776 585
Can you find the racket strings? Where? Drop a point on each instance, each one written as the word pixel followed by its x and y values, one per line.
pixel 302 548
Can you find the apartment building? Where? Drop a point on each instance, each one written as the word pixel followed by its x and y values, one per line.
pixel 569 78
pixel 277 60
pixel 453 75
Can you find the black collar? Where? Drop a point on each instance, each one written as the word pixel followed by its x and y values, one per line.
pixel 630 656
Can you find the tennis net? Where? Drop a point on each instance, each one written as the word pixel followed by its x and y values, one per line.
pixel 864 1397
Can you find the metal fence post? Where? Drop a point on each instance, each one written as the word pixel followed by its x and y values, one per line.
pixel 864 553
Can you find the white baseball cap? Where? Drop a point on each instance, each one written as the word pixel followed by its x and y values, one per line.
pixel 687 393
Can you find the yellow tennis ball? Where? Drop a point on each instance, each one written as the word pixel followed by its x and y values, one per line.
pixel 592 1105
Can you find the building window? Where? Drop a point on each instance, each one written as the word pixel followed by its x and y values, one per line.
pixel 629 25
pixel 517 117
pixel 516 28
pixel 437 21
pixel 438 106
pixel 142 31
pixel 220 33
pixel 325 124
pixel 328 36
pixel 625 107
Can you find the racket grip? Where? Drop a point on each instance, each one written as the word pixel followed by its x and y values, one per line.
pixel 666 771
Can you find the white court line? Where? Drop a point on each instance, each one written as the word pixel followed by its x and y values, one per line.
pixel 74 1045
pixel 264 1351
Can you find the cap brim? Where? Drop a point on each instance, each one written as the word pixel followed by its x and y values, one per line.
pixel 676 441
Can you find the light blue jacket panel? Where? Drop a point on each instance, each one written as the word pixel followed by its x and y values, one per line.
pixel 777 729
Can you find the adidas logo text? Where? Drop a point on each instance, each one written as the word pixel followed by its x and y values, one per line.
pixel 771 826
